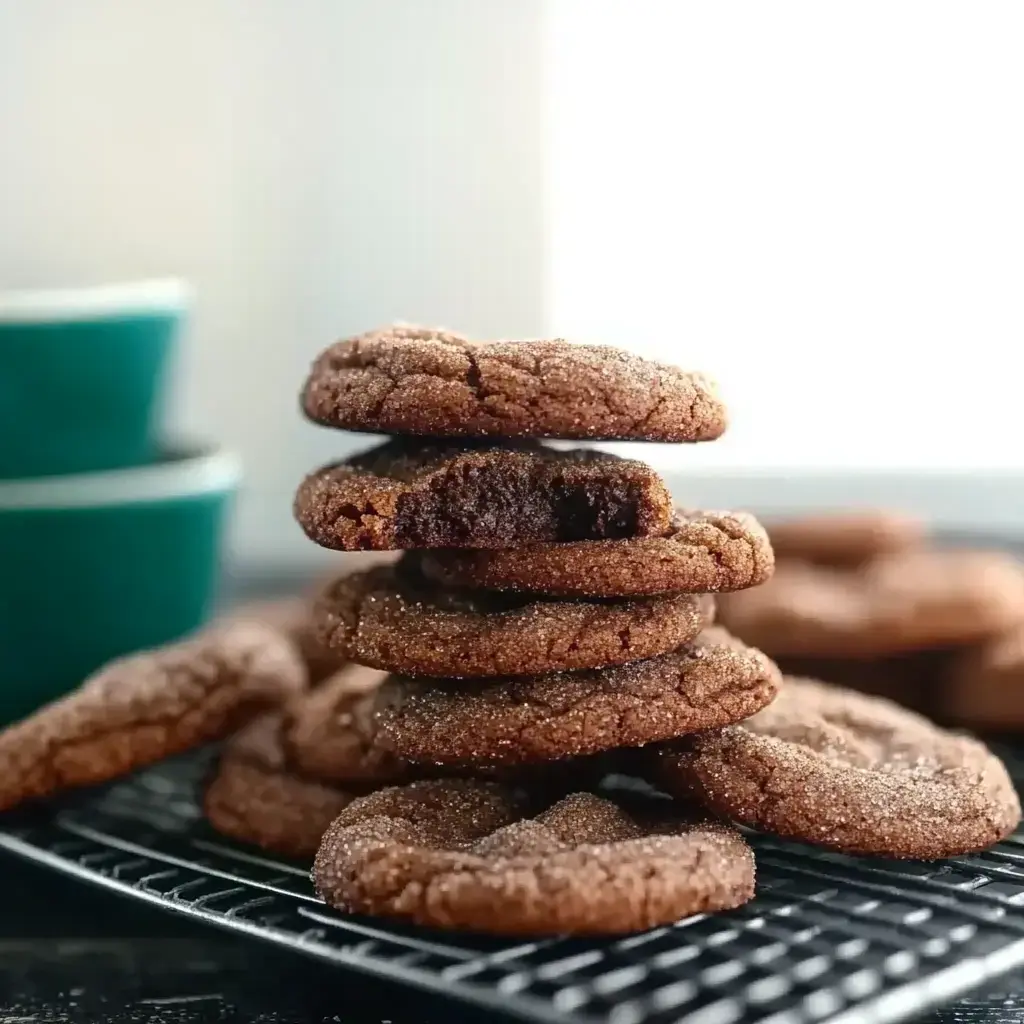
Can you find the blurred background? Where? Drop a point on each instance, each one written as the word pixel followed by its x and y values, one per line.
pixel 819 204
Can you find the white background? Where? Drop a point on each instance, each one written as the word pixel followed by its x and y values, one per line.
pixel 820 203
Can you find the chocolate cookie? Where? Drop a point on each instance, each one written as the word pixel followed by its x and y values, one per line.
pixel 845 538
pixel 702 552
pixel 853 773
pixel 984 688
pixel 255 796
pixel 413 380
pixel 518 720
pixel 473 855
pixel 409 495
pixel 146 707
pixel 330 733
pixel 896 603
pixel 391 618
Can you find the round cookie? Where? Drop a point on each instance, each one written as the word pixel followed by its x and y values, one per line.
pixel 146 707
pixel 702 552
pixel 391 618
pixel 468 854
pixel 984 687
pixel 415 380
pixel 403 495
pixel 845 538
pixel 255 797
pixel 521 720
pixel 894 604
pixel 849 772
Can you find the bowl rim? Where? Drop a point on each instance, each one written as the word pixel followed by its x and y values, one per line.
pixel 95 302
pixel 189 471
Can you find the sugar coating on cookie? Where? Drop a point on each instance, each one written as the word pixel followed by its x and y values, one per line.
pixel 849 772
pixel 255 797
pixel 846 538
pixel 407 494
pixel 467 854
pixel 896 603
pixel 391 618
pixel 416 380
pixel 702 552
pixel 539 718
pixel 143 708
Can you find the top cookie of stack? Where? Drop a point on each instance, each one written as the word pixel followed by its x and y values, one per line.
pixel 422 382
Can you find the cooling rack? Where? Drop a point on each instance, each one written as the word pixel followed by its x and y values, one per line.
pixel 828 938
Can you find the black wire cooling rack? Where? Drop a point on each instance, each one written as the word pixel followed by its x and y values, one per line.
pixel 828 938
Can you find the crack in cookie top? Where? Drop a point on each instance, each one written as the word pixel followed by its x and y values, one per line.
pixel 420 381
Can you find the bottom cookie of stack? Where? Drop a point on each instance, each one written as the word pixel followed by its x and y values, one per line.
pixel 476 855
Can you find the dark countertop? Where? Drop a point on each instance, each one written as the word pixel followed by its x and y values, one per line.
pixel 70 953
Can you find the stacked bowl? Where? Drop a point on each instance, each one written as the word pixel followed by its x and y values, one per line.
pixel 109 535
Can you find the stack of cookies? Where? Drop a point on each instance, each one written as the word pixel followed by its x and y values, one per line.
pixel 550 607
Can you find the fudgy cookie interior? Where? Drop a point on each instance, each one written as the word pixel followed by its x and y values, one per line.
pixel 551 495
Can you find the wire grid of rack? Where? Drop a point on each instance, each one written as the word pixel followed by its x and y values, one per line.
pixel 828 938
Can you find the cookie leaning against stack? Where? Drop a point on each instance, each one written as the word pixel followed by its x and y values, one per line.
pixel 549 608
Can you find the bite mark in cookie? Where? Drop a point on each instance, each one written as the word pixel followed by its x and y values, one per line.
pixel 403 495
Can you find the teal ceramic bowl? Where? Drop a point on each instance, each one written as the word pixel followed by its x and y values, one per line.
pixel 97 565
pixel 81 374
